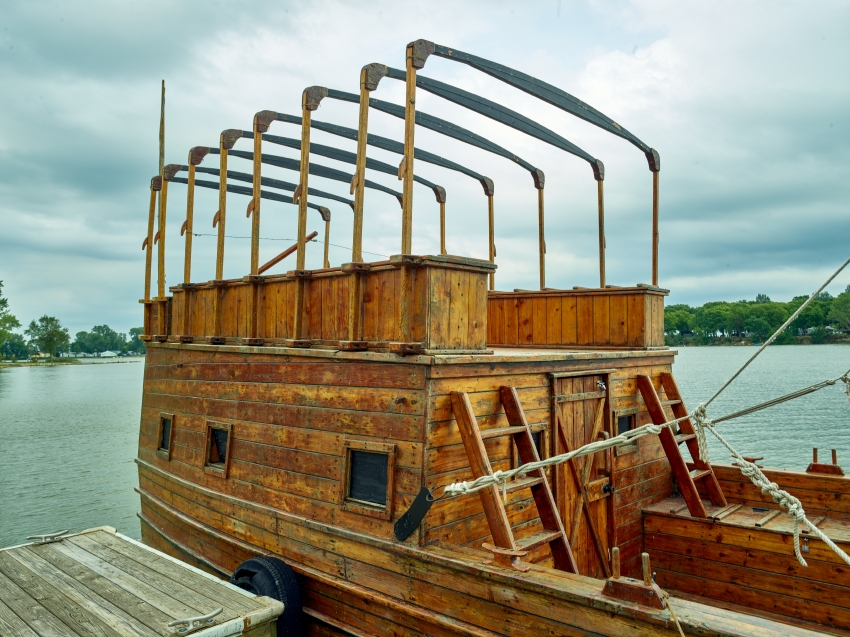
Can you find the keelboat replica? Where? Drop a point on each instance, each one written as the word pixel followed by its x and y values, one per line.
pixel 314 435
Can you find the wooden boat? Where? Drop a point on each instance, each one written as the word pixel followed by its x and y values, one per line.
pixel 317 416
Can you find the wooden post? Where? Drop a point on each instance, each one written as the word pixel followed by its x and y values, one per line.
pixel 359 184
pixel 655 176
pixel 156 185
pixel 409 127
pixel 161 254
pixel 255 211
pixel 443 228
pixel 163 199
pixel 190 214
pixel 327 263
pixel 491 223
pixel 615 563
pixel 541 238
pixel 654 160
pixel 222 210
pixel 601 195
pixel 647 571
pixel 304 177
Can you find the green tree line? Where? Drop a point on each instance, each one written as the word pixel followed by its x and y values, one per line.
pixel 47 335
pixel 825 319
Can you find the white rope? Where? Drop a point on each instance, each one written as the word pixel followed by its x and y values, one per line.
pixel 778 332
pixel 502 477
pixel 781 497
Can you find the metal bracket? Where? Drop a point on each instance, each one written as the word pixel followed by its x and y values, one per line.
pixel 194 624
pixel 48 539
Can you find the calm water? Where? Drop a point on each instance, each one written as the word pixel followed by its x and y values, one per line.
pixel 68 434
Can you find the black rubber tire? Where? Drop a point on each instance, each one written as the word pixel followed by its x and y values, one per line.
pixel 272 577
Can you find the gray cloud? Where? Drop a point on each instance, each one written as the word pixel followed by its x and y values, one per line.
pixel 744 102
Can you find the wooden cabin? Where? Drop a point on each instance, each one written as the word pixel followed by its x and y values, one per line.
pixel 303 415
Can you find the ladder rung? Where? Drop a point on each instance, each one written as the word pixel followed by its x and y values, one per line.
pixel 537 539
pixel 684 438
pixel 522 483
pixel 698 474
pixel 500 432
pixel 670 403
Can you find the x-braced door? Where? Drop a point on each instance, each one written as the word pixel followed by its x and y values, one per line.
pixel 581 414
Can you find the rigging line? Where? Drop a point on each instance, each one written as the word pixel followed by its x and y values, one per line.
pixel 336 245
pixel 777 332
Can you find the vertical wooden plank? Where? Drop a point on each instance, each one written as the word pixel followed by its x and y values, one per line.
pixel 458 308
pixel 419 305
pixel 479 312
pixel 539 321
pixel 501 304
pixel 369 306
pixel 618 314
pixel 440 296
pixel 491 323
pixel 327 317
pixel 525 321
pixel 553 320
pixel 511 321
pixel 584 319
pixel 569 320
pixel 601 319
pixel 658 324
pixel 635 320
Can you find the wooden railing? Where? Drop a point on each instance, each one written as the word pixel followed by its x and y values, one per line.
pixel 407 304
pixel 608 318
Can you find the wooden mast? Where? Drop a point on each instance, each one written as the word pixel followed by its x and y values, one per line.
pixel 162 197
pixel 358 184
pixel 221 215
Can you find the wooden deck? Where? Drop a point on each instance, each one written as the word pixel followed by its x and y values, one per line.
pixel 743 554
pixel 101 584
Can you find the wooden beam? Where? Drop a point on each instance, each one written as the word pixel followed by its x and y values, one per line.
pixel 149 241
pixel 601 200
pixel 163 198
pixel 360 170
pixel 273 262
pixel 409 127
pixel 541 239
pixel 222 210
pixel 492 231
pixel 327 263
pixel 305 173
pixel 655 176
pixel 190 215
pixel 255 211
pixel 443 230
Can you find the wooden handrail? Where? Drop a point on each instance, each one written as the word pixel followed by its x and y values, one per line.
pixel 285 254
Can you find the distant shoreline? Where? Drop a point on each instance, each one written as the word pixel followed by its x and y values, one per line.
pixel 71 361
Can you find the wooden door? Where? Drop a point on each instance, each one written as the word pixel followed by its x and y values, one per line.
pixel 581 408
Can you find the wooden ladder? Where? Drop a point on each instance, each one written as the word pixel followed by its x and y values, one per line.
pixel 686 474
pixel 518 430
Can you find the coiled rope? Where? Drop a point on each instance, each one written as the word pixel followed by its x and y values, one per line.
pixel 701 423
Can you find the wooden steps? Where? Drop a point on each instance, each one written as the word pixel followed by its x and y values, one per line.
pixel 491 498
pixel 686 474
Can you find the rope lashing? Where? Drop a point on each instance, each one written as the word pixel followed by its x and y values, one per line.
pixel 502 477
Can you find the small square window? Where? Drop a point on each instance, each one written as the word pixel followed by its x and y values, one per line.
pixel 217 448
pixel 165 434
pixel 368 477
pixel 625 424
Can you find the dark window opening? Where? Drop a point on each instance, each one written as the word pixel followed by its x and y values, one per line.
pixel 165 434
pixel 624 424
pixel 368 478
pixel 218 446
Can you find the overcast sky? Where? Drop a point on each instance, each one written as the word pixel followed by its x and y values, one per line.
pixel 748 104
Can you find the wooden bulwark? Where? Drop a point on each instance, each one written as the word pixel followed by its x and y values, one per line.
pixel 444 298
pixel 609 318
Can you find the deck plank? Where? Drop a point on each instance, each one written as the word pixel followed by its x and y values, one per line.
pixel 11 624
pixel 54 602
pixel 132 616
pixel 203 603
pixel 179 573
